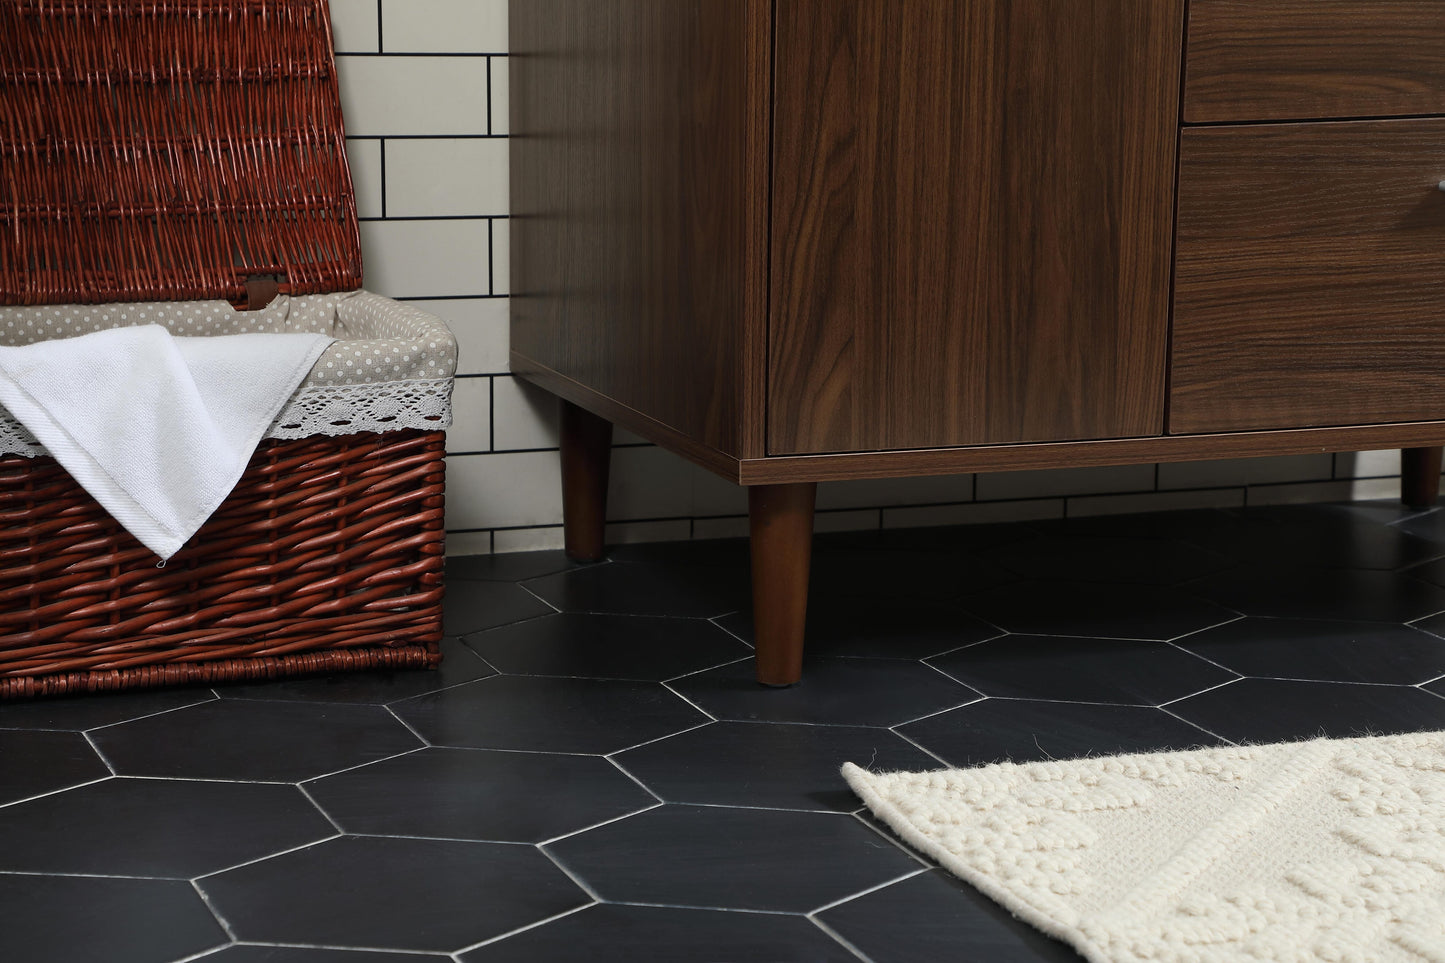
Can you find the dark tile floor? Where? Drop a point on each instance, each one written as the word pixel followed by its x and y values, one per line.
pixel 593 774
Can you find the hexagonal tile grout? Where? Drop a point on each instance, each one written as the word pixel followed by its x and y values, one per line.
pixel 150 715
pixel 1204 658
pixel 922 748
pixel 530 926
pixel 872 889
pixel 640 784
pixel 714 620
pixel 391 711
pixel 880 831
pixel 567 871
pixel 837 938
pixel 1238 617
pixel 36 872
pixel 89 741
pixel 204 954
pixel 606 822
pixel 210 908
pixel 261 859
pixel 56 792
pixel 929 715
pixel 1188 722
pixel 369 762
pixel 321 809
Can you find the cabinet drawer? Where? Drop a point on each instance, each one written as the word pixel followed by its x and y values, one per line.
pixel 1310 276
pixel 1309 59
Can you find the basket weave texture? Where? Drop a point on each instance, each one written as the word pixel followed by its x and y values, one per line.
pixel 172 150
pixel 327 556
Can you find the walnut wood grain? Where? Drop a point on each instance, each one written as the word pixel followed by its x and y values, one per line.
pixel 1310 276
pixel 586 461
pixel 971 221
pixel 1084 454
pixel 1420 476
pixel 639 204
pixel 780 521
pixel 1304 59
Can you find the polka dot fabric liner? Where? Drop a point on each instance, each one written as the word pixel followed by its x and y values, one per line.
pixel 407 355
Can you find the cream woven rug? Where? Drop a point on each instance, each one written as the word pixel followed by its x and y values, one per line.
pixel 1325 850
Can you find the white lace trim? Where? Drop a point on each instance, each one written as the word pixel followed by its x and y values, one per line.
pixel 317 410
pixel 348 409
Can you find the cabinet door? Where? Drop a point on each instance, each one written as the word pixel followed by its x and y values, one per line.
pixel 971 210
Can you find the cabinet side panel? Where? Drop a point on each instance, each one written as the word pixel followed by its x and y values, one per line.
pixel 633 252
pixel 972 221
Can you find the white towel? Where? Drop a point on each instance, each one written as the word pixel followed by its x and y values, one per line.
pixel 158 429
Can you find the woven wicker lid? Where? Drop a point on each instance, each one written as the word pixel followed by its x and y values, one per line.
pixel 170 150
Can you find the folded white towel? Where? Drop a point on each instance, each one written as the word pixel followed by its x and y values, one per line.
pixel 158 429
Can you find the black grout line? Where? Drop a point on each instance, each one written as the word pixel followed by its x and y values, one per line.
pixel 490 129
pixel 381 143
pixel 421 55
pixel 491 259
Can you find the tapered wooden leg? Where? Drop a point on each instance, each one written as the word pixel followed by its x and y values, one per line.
pixel 781 522
pixel 1420 476
pixel 586 458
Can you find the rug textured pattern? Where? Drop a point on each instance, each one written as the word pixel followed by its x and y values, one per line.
pixel 1327 850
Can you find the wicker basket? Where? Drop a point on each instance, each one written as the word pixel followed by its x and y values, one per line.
pixel 193 150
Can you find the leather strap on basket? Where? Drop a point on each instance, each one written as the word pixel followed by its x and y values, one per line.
pixel 170 151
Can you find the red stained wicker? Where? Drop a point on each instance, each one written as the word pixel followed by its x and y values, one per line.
pixel 169 149
pixel 175 149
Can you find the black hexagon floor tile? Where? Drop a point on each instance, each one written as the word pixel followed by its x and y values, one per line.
pixel 80 713
pixel 1013 730
pixel 1081 670
pixel 931 916
pixel 1183 525
pixel 1437 687
pixel 47 919
pixel 1270 710
pixel 883 573
pixel 156 827
pixel 302 954
pixel 607 933
pixel 459 664
pixel 731 553
pixel 1330 651
pixel 1432 572
pixel 638 588
pixel 775 766
pixel 1427 525
pixel 1097 610
pixel 643 648
pixel 522 797
pixel 957 539
pixel 508 566
pixel 395 894
pixel 261 741
pixel 755 859
pixel 1149 561
pixel 859 692
pixel 880 628
pixel 39 761
pixel 549 715
pixel 1317 536
pixel 1298 593
pixel 474 605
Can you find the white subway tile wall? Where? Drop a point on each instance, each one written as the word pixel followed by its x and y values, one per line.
pixel 424 90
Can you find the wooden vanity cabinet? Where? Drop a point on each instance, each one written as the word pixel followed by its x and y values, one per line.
pixel 799 241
